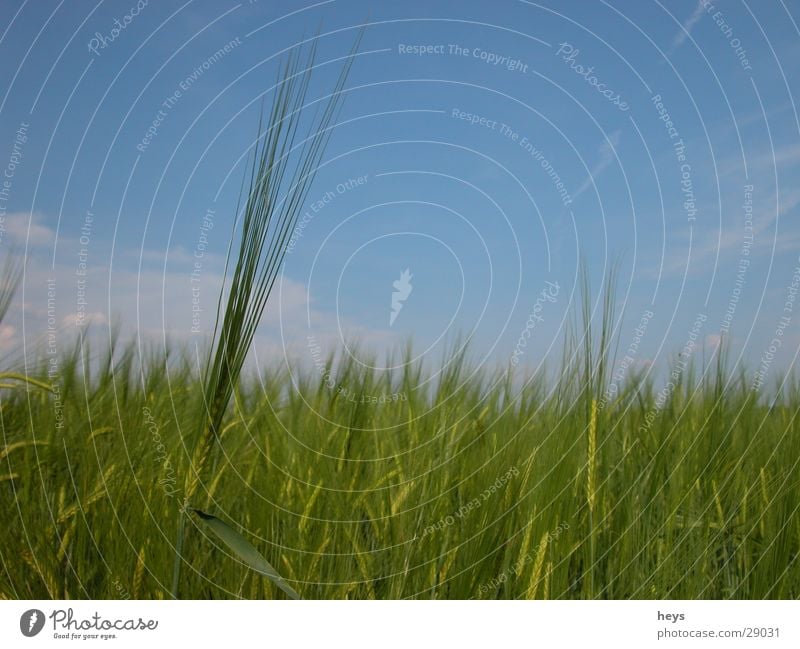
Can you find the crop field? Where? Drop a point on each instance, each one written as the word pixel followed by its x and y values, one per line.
pixel 468 486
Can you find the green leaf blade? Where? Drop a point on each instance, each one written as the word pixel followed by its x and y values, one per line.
pixel 243 549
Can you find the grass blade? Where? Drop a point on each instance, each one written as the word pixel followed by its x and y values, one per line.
pixel 242 548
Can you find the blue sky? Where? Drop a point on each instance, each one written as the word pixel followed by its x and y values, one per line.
pixel 461 120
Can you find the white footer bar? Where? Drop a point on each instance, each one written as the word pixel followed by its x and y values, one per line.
pixel 399 624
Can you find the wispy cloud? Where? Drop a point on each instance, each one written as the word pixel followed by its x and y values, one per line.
pixel 763 163
pixel 686 28
pixel 731 240
pixel 607 152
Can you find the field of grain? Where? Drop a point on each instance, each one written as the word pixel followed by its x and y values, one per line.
pixel 364 485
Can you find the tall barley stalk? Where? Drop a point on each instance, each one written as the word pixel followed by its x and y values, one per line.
pixel 591 486
pixel 598 365
pixel 282 171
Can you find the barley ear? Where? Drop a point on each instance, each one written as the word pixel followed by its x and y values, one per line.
pixel 538 563
pixel 138 574
pixel 591 474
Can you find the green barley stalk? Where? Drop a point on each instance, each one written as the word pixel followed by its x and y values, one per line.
pixel 282 171
pixel 598 364
pixel 591 489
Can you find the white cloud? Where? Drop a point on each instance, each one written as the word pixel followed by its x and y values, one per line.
pixel 24 227
pixel 686 28
pixel 94 318
pixel 160 305
pixel 8 338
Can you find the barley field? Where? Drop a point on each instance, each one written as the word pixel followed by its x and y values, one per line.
pixel 358 485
